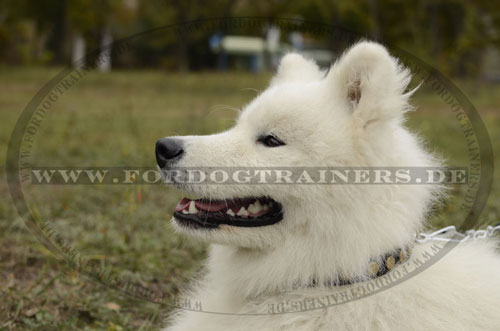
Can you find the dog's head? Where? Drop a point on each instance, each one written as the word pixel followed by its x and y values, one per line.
pixel 350 116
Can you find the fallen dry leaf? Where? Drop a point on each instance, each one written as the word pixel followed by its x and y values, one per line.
pixel 112 306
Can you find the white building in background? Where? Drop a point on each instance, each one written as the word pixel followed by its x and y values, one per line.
pixel 265 53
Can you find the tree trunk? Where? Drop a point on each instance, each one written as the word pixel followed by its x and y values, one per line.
pixel 104 60
pixel 78 51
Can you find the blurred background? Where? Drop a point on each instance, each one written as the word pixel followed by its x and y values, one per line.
pixel 459 37
pixel 188 81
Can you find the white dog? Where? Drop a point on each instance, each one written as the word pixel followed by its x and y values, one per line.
pixel 298 256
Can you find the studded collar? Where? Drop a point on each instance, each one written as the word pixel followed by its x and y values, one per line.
pixel 376 268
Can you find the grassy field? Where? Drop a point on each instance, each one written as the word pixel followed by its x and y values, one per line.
pixel 115 119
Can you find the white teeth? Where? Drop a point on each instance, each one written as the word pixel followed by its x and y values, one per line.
pixel 242 212
pixel 230 212
pixel 185 212
pixel 255 207
pixel 251 208
pixel 192 208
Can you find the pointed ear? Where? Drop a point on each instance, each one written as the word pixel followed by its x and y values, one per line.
pixel 295 68
pixel 371 83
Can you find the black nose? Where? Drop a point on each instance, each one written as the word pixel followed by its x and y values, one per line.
pixel 168 149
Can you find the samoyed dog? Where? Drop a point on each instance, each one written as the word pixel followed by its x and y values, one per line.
pixel 291 256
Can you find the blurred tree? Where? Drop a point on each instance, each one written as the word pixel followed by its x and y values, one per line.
pixel 45 18
pixel 98 20
pixel 58 22
pixel 190 48
pixel 451 34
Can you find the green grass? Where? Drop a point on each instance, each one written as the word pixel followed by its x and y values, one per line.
pixel 115 119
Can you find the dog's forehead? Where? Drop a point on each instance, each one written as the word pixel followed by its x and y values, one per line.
pixel 292 103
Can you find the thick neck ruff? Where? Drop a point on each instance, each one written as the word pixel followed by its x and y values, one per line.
pixel 377 267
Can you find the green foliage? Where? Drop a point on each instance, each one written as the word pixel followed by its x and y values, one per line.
pixel 450 34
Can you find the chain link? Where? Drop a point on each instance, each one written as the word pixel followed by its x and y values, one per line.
pixel 450 233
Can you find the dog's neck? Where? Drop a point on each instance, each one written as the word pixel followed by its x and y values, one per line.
pixel 315 254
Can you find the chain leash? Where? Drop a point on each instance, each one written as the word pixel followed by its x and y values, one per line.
pixel 450 233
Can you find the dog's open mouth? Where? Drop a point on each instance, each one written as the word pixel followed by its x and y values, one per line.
pixel 244 212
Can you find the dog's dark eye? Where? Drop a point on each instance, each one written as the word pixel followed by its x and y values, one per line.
pixel 270 141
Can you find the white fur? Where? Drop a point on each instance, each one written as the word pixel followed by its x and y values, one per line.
pixel 353 116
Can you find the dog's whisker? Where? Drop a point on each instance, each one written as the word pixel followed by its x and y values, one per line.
pixel 222 107
pixel 251 89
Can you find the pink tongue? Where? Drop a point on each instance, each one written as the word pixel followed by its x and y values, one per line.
pixel 211 206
